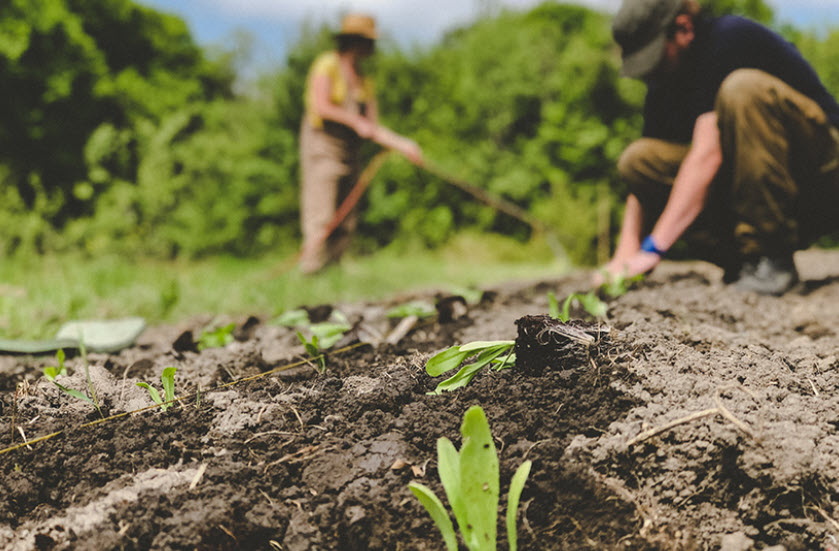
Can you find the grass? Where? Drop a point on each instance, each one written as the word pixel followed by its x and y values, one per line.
pixel 38 294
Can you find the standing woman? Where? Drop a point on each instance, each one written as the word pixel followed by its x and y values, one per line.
pixel 341 113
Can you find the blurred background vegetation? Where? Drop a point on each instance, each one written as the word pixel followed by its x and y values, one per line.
pixel 120 136
pixel 118 133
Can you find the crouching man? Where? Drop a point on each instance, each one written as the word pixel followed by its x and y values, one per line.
pixel 740 147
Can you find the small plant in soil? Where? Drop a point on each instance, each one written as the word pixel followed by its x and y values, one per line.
pixel 168 380
pixel 313 349
pixel 496 354
pixel 419 309
pixel 590 303
pixel 216 338
pixel 471 481
pixel 618 285
pixel 52 372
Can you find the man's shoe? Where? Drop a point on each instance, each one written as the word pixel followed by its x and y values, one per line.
pixel 767 275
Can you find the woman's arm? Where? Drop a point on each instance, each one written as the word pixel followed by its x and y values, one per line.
pixel 323 106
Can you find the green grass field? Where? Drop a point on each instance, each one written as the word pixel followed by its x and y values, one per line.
pixel 38 294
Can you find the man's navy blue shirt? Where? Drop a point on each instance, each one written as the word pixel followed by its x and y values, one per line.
pixel 723 45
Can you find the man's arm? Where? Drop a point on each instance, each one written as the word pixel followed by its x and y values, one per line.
pixel 686 201
pixel 690 188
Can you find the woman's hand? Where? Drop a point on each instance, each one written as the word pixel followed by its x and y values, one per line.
pixel 412 151
pixel 364 127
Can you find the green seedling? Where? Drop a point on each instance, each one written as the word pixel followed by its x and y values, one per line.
pixel 553 306
pixel 217 338
pixel 590 303
pixel 416 308
pixel 292 318
pixel 496 354
pixel 471 481
pixel 618 285
pixel 168 380
pixel 469 294
pixel 52 372
pixel 313 348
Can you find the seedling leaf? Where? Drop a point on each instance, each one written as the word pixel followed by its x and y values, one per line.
pixel 314 351
pixel 445 361
pixel 448 468
pixel 593 305
pixel 328 333
pixel 468 372
pixel 292 318
pixel 516 487
pixel 565 315
pixel 168 380
pixel 477 345
pixel 416 308
pixel 218 338
pixel 553 305
pixel 75 393
pixel 437 512
pixel 155 395
pixel 479 478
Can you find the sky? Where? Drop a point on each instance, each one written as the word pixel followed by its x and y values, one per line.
pixel 275 24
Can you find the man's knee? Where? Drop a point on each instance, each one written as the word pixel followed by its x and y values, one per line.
pixel 744 87
pixel 635 157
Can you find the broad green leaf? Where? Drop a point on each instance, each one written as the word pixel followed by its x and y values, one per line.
pixel 155 396
pixel 437 512
pixel 479 345
pixel 565 315
pixel 445 361
pixel 168 380
pixel 329 333
pixel 479 478
pixel 292 318
pixel 217 338
pixel 516 487
pixel 506 362
pixel 75 393
pixel 448 468
pixel 468 372
pixel 593 305
pixel 49 373
pixel 419 309
pixel 553 305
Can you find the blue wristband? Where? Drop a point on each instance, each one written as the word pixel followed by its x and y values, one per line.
pixel 649 246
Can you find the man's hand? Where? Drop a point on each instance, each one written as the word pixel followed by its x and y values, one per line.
pixel 639 263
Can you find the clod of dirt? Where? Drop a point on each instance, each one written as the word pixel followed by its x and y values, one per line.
pixel 185 343
pixel 247 330
pixel 544 341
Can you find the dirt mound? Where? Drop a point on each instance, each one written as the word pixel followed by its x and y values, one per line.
pixel 704 418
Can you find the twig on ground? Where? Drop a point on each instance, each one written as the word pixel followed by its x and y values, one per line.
pixel 647 434
pixel 297 414
pixel 197 478
pixel 737 423
pixel 402 329
pixel 827 517
pixel 20 430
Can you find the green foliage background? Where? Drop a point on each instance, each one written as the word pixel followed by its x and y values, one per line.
pixel 119 134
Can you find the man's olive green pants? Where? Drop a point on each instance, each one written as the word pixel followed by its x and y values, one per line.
pixel 778 187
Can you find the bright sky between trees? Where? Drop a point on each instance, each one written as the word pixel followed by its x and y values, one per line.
pixel 275 24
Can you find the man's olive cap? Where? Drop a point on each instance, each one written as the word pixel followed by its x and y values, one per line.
pixel 640 28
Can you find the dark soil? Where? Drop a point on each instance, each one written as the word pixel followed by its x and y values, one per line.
pixel 302 460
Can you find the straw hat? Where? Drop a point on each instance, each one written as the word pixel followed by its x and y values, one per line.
pixel 357 24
